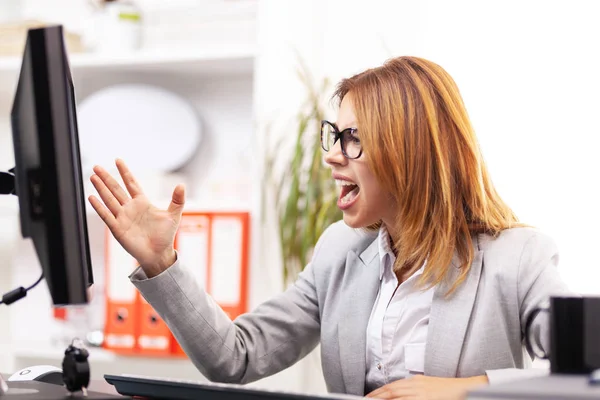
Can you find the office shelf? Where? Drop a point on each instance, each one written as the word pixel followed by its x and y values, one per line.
pixel 218 82
pixel 205 62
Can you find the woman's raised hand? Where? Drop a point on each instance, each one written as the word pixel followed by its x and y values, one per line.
pixel 144 231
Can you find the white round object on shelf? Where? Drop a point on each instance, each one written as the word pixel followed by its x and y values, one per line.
pixel 150 128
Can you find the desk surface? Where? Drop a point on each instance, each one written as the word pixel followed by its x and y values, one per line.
pixel 31 390
pixel 558 387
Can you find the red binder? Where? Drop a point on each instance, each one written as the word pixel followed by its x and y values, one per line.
pixel 121 328
pixel 213 245
pixel 154 337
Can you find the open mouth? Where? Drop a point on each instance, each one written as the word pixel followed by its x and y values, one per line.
pixel 348 193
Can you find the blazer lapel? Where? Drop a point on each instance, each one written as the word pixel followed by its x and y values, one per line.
pixel 449 319
pixel 359 293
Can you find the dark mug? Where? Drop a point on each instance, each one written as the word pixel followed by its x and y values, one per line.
pixel 574 334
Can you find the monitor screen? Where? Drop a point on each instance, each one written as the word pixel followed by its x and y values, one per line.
pixel 48 171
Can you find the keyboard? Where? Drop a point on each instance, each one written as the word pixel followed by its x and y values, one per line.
pixel 180 389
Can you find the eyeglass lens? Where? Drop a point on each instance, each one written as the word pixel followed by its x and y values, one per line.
pixel 351 146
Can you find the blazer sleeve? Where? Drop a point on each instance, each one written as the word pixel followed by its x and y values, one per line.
pixel 537 280
pixel 275 335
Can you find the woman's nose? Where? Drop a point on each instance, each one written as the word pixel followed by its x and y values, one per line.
pixel 335 155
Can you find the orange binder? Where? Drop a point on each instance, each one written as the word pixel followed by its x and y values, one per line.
pixel 132 326
pixel 193 243
pixel 59 313
pixel 215 246
pixel 121 328
pixel 228 272
pixel 154 337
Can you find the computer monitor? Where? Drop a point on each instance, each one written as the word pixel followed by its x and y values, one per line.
pixel 48 175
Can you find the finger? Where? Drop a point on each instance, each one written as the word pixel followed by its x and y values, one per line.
pixel 90 293
pixel 397 388
pixel 377 392
pixel 132 185
pixel 103 212
pixel 394 394
pixel 178 200
pixel 384 394
pixel 402 393
pixel 112 185
pixel 106 195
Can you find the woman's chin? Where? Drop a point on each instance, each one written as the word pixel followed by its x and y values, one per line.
pixel 352 221
pixel 359 218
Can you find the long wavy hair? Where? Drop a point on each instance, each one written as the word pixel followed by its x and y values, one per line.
pixel 421 147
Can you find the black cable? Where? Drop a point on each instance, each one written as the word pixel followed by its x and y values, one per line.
pixel 36 282
pixel 18 293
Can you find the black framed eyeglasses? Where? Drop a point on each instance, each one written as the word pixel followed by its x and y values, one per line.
pixel 350 142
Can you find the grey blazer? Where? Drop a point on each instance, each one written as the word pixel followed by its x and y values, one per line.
pixel 476 331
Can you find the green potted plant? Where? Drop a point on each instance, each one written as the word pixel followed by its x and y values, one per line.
pixel 305 195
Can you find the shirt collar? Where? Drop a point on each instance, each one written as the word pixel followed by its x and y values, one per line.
pixel 385 249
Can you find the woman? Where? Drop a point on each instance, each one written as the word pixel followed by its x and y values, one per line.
pixel 436 289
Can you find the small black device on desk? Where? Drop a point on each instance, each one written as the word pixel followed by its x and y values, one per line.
pixel 176 389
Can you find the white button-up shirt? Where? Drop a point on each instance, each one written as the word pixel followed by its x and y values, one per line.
pixel 397 330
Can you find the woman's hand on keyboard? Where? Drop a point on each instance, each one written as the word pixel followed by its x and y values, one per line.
pixel 428 388
pixel 144 231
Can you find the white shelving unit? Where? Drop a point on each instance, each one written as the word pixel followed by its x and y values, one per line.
pixel 239 72
pixel 215 81
pixel 219 84
pixel 203 63
pixel 144 65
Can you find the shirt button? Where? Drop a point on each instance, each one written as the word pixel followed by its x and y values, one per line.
pixel 379 366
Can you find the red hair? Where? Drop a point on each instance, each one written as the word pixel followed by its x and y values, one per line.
pixel 420 145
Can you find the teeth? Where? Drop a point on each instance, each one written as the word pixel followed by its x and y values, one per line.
pixel 346 198
pixel 340 182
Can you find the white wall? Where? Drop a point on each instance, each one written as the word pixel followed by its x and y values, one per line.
pixel 528 71
pixel 529 75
